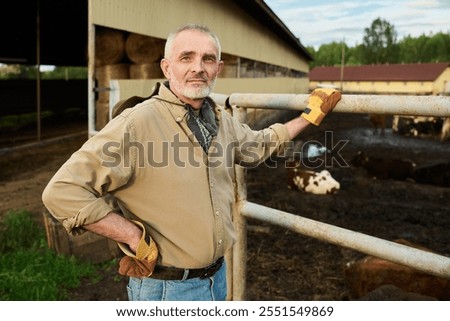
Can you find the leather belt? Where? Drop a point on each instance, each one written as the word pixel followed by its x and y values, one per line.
pixel 171 273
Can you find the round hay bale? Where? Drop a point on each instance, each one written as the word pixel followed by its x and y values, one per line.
pixel 104 74
pixel 101 114
pixel 146 71
pixel 109 46
pixel 108 72
pixel 143 49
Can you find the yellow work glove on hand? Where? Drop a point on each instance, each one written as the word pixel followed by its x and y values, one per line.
pixel 320 103
pixel 143 262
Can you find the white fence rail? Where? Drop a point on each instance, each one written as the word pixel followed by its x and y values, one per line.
pixel 438 106
pixel 400 105
pixel 421 260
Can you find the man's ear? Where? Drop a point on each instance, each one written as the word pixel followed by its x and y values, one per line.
pixel 220 67
pixel 165 67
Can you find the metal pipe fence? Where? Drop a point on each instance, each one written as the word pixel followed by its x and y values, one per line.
pixel 429 262
pixel 438 106
pixel 400 105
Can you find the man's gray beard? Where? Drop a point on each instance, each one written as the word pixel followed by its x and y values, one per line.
pixel 198 93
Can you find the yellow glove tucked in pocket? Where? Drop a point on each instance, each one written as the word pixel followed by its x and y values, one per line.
pixel 143 262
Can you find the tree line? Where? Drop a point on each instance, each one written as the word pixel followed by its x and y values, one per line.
pixel 380 46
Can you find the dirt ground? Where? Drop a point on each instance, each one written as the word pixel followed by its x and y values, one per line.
pixel 281 264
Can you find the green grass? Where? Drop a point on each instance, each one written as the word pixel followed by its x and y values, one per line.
pixel 14 122
pixel 29 270
pixel 20 120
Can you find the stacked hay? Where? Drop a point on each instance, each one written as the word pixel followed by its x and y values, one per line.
pixel 103 75
pixel 109 54
pixel 146 71
pixel 145 53
pixel 109 46
pixel 120 55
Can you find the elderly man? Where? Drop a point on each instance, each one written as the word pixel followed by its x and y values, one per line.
pixel 158 179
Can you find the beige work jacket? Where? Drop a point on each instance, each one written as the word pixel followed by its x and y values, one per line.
pixel 148 162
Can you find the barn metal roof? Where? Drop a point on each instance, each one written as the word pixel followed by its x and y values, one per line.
pixel 63 30
pixel 396 72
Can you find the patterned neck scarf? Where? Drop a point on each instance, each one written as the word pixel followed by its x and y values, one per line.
pixel 203 124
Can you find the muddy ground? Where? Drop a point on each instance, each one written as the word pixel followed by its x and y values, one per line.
pixel 282 265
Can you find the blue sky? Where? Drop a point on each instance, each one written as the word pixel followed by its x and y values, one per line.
pixel 318 22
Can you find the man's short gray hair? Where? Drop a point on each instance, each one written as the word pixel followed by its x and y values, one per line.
pixel 191 26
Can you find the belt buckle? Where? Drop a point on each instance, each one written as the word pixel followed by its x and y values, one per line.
pixel 211 269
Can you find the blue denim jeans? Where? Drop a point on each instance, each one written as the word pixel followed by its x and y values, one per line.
pixel 209 289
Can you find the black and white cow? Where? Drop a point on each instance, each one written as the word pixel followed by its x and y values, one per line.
pixel 417 125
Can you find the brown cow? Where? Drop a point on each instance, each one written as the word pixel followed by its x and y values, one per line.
pixel 370 273
pixel 378 122
pixel 385 168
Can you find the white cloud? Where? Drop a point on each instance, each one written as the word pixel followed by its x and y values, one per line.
pixel 319 22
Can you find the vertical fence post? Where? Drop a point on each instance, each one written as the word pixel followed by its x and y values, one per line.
pixel 239 255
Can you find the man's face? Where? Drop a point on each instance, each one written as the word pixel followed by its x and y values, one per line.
pixel 192 67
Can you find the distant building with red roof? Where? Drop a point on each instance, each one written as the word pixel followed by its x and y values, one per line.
pixel 415 79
